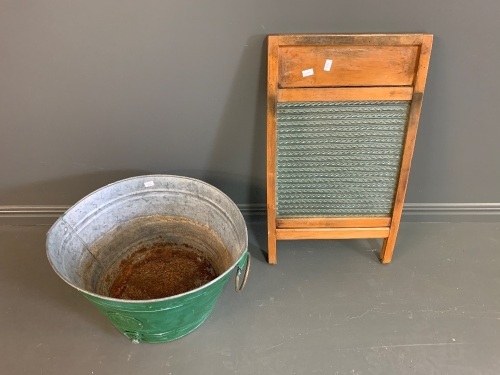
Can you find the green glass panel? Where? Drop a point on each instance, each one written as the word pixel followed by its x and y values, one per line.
pixel 338 158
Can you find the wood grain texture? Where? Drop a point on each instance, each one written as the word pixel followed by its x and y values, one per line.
pixel 340 222
pixel 330 233
pixel 423 64
pixel 351 66
pixel 409 145
pixel 350 39
pixel 344 94
pixel 389 243
pixel 272 88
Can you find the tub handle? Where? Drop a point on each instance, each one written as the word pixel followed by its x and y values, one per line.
pixel 239 286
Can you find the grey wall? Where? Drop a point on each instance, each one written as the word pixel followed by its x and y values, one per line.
pixel 95 91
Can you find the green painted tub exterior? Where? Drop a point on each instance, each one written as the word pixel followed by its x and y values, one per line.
pixel 164 319
pixel 71 240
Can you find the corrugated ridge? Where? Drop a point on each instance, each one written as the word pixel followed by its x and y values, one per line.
pixel 338 158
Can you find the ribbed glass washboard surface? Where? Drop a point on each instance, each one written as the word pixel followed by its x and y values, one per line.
pixel 338 158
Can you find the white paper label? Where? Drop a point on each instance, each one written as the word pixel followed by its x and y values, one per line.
pixel 328 65
pixel 308 72
pixel 149 184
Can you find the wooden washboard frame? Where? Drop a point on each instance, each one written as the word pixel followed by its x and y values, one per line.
pixel 339 70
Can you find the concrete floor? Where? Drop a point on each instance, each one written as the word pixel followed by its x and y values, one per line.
pixel 328 307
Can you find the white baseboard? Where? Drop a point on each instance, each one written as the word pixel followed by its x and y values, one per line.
pixel 30 215
pixel 414 212
pixel 453 212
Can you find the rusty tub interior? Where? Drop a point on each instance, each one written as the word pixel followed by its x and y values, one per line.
pixel 154 257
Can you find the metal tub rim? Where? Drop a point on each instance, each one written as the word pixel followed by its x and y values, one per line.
pixel 238 263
